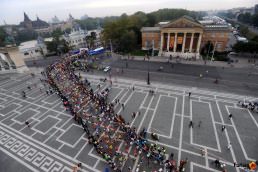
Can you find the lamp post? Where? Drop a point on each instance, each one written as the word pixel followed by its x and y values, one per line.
pixel 148 56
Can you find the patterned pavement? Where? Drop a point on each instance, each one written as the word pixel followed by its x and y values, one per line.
pixel 54 142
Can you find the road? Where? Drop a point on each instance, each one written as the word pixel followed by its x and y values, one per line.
pixel 230 79
pixel 237 80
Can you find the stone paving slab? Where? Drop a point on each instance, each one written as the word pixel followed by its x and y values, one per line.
pixel 64 142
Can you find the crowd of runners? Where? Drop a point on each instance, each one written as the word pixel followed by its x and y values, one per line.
pixel 105 129
pixel 116 140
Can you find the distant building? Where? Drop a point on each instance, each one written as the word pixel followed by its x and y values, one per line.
pixel 185 37
pixel 29 24
pixel 77 37
pixel 55 20
pixel 34 49
pixel 256 8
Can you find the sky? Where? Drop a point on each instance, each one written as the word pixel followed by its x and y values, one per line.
pixel 11 11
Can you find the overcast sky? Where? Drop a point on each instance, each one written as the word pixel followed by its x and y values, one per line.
pixel 12 10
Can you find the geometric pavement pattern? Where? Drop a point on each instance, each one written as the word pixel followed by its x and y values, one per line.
pixel 54 142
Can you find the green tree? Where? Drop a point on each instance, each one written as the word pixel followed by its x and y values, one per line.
pixel 2 36
pixel 58 45
pixel 129 27
pixel 207 49
pixel 249 47
pixel 255 19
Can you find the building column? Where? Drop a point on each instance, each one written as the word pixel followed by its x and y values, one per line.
pixel 168 41
pixel 199 43
pixel 175 42
pixel 191 43
pixel 183 47
pixel 161 41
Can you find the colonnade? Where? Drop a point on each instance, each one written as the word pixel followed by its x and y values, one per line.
pixel 176 34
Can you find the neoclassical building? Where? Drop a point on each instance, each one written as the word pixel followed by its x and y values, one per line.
pixel 184 37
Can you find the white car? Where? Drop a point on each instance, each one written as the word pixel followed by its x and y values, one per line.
pixel 106 69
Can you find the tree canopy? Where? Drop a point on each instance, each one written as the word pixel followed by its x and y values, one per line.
pixel 57 45
pixel 249 47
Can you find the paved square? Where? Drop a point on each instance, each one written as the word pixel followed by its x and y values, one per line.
pixel 54 142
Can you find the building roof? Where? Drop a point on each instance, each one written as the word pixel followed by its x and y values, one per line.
pixel 37 24
pixel 150 29
pixel 217 27
pixel 190 18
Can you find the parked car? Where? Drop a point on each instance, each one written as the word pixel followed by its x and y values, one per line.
pixel 107 68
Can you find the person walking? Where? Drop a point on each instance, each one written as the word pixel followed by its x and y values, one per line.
pixel 27 123
pixel 189 94
pixel 229 146
pixel 191 124
pixel 223 128
pixel 230 116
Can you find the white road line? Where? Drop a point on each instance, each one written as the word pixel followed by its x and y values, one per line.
pixel 181 130
pixel 226 133
pixel 214 127
pixel 40 146
pixel 154 114
pixel 239 139
pixel 173 119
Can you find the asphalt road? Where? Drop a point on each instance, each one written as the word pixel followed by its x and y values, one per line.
pixel 237 80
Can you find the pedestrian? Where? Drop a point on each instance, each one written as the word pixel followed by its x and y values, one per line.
pixel 123 106
pixel 229 146
pixel 27 123
pixel 133 115
pixel 199 124
pixel 191 124
pixel 139 113
pixel 230 116
pixel 189 94
pixel 172 155
pixel 203 152
pixel 133 88
pixel 223 128
pixel 23 94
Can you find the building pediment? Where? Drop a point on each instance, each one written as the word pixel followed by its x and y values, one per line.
pixel 183 22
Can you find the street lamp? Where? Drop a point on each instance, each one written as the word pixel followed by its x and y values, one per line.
pixel 148 56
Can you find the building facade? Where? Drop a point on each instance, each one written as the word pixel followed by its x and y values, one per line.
pixel 184 37
pixel 34 49
pixel 77 37
pixel 27 23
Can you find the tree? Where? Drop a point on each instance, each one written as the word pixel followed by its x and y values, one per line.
pixel 129 27
pixel 249 47
pixel 58 45
pixel 255 19
pixel 245 18
pixel 207 49
pixel 2 36
pixel 93 35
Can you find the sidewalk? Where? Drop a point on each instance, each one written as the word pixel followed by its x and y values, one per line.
pixel 242 63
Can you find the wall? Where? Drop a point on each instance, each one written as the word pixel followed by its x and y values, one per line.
pixel 221 37
pixel 149 36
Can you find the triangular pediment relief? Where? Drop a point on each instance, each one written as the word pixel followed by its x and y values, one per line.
pixel 182 23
